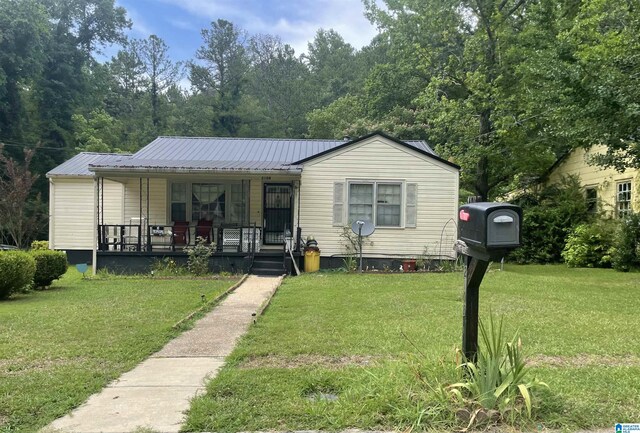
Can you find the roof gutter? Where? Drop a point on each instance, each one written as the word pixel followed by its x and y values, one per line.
pixel 156 170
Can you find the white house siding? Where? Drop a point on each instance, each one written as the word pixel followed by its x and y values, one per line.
pixel 381 159
pixel 157 201
pixel 71 211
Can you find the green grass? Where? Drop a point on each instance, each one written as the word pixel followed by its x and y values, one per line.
pixel 383 342
pixel 61 345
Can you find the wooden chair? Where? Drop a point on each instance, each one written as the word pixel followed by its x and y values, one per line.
pixel 203 230
pixel 180 234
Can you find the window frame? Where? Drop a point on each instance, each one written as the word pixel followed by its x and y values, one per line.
pixel 227 184
pixel 375 183
pixel 592 202
pixel 621 213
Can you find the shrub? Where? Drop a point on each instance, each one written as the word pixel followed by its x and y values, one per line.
pixel 626 250
pixel 590 245
pixel 17 269
pixel 549 215
pixel 496 387
pixel 50 265
pixel 39 245
pixel 198 261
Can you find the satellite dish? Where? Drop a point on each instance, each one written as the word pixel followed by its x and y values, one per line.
pixel 363 227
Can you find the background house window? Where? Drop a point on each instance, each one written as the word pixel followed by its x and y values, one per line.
pixel 592 199
pixel 623 198
pixel 387 198
pixel 178 202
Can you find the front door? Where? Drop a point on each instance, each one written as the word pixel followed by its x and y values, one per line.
pixel 278 199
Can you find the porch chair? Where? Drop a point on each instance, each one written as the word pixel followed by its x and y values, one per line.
pixel 180 234
pixel 204 229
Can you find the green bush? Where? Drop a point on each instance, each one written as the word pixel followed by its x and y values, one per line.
pixel 549 215
pixel 626 251
pixel 198 261
pixel 50 265
pixel 17 269
pixel 590 245
pixel 39 245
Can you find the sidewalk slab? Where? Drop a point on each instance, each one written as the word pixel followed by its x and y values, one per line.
pixel 191 372
pixel 119 410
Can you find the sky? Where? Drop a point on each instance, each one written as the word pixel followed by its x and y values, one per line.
pixel 179 22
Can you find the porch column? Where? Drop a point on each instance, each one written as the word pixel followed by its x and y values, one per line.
pixel 96 215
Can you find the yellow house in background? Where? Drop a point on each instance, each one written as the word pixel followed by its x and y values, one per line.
pixel 606 190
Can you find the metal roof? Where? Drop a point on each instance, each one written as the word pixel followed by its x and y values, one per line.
pixel 264 150
pixel 228 154
pixel 78 166
pixel 185 154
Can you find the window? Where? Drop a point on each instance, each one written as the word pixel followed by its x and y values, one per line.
pixel 623 198
pixel 178 202
pixel 221 203
pixel 361 201
pixel 592 199
pixel 388 201
pixel 207 202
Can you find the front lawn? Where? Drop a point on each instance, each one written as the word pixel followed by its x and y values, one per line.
pixel 61 345
pixel 335 351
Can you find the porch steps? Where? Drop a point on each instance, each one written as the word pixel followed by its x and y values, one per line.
pixel 268 264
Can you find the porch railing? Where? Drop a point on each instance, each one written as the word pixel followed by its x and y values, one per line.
pixel 120 237
pixel 159 237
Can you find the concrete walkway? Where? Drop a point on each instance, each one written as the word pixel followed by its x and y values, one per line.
pixel 156 393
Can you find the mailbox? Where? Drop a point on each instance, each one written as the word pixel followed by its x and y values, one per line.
pixel 490 227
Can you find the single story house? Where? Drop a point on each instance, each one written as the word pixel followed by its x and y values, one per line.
pixel 254 197
pixel 607 190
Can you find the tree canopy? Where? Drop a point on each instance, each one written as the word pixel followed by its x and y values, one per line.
pixel 501 87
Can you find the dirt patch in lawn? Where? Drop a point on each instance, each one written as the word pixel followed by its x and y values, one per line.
pixel 298 361
pixel 584 360
pixel 20 366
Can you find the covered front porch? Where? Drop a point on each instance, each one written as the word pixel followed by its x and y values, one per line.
pixel 152 215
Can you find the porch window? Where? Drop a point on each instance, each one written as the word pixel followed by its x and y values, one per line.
pixel 388 202
pixel 178 202
pixel 208 202
pixel 623 198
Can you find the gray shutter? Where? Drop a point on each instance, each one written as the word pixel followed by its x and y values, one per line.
pixel 411 206
pixel 338 204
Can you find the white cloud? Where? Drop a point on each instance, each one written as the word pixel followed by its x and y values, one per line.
pixel 139 28
pixel 296 22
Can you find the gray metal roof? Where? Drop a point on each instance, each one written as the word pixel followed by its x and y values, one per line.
pixel 228 154
pixel 78 166
pixel 213 154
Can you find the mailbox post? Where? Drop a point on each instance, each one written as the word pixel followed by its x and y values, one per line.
pixel 486 231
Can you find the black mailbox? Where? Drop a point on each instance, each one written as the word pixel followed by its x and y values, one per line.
pixel 490 227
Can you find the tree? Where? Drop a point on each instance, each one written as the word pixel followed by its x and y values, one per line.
pixel 160 70
pixel 587 74
pixel 332 63
pixel 279 81
pixel 464 47
pixel 23 30
pixel 98 133
pixel 20 218
pixel 222 74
